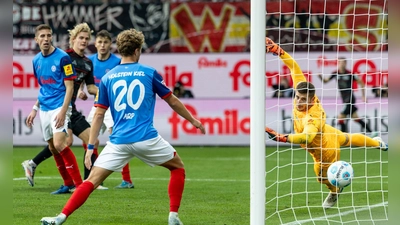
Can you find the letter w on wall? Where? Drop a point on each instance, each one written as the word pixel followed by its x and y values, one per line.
pixel 198 27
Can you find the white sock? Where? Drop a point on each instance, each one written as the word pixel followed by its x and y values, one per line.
pixel 62 216
pixel 32 163
pixel 174 214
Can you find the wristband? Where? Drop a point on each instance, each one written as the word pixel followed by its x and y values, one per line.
pixel 90 147
pixel 35 108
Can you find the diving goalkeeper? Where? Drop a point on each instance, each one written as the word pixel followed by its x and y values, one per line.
pixel 321 140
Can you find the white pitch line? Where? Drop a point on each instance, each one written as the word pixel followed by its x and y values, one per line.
pixel 338 214
pixel 199 180
pixel 117 178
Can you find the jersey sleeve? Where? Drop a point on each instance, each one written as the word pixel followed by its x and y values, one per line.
pixel 101 99
pixel 89 79
pixel 295 70
pixel 333 76
pixel 67 69
pixel 159 86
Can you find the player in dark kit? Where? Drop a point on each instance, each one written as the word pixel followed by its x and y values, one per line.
pixel 345 80
pixel 79 40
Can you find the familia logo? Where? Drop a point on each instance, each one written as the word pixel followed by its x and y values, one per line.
pixel 228 124
pixel 23 79
pixel 171 76
pixel 240 75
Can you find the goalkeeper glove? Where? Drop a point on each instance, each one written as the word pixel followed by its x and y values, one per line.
pixel 270 46
pixel 275 136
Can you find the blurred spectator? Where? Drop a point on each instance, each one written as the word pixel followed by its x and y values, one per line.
pixel 380 91
pixel 181 92
pixel 283 89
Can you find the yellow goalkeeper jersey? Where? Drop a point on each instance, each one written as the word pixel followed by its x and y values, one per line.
pixel 325 147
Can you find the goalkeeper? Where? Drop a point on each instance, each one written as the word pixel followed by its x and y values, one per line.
pixel 321 140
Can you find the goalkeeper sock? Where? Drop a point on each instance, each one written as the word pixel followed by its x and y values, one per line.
pixel 332 188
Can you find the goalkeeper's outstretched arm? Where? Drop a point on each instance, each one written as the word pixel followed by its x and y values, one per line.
pixel 307 136
pixel 295 70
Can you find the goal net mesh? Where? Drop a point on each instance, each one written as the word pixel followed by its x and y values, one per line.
pixel 316 34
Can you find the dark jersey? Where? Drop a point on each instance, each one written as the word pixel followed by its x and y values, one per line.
pixel 84 73
pixel 345 84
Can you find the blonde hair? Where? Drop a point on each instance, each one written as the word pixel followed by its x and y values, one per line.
pixel 128 41
pixel 82 27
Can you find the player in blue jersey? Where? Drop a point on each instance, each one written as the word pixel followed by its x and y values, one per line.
pixel 130 90
pixel 79 40
pixel 104 61
pixel 53 69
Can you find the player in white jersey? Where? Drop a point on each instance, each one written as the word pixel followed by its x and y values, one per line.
pixel 130 90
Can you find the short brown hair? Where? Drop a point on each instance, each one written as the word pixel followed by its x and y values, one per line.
pixel 306 88
pixel 104 34
pixel 43 27
pixel 128 41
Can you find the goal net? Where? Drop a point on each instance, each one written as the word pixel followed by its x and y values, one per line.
pixel 316 34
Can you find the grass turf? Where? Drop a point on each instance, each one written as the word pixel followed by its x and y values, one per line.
pixel 217 190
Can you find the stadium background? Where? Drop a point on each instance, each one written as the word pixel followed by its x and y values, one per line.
pixel 213 47
pixel 206 45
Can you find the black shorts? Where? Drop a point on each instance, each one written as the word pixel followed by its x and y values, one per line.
pixel 349 106
pixel 78 123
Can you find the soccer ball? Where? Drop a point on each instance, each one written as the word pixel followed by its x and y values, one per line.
pixel 340 174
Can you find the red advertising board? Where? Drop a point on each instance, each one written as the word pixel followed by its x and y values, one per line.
pixel 216 76
pixel 227 122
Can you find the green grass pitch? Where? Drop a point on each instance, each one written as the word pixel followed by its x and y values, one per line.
pixel 217 190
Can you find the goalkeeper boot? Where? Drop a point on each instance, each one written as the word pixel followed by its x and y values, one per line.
pixel 29 172
pixel 382 145
pixel 173 219
pixel 58 220
pixel 271 46
pixel 331 199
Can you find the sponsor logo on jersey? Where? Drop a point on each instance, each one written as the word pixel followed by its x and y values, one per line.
pixel 68 70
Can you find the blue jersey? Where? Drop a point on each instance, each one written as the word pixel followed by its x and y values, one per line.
pixel 51 71
pixel 129 90
pixel 101 67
